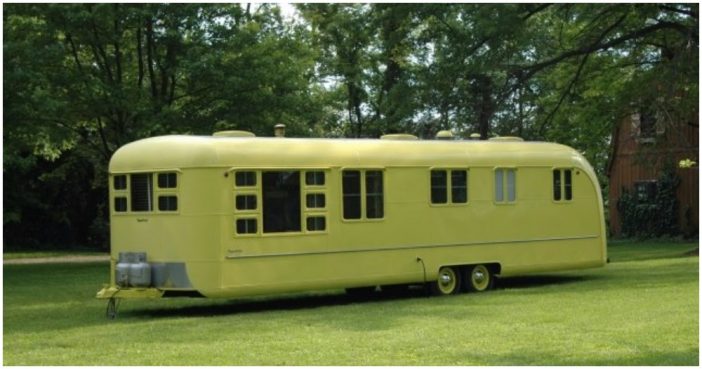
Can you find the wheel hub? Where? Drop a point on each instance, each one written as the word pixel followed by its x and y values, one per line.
pixel 478 276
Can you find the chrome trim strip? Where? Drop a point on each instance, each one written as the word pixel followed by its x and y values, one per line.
pixel 232 253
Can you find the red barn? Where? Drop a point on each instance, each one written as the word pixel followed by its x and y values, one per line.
pixel 641 145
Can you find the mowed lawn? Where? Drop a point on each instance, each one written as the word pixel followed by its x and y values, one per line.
pixel 641 309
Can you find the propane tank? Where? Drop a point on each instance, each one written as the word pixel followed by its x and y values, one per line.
pixel 140 271
pixel 122 273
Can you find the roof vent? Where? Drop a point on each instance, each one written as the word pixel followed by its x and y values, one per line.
pixel 233 134
pixel 507 139
pixel 279 130
pixel 399 136
pixel 444 135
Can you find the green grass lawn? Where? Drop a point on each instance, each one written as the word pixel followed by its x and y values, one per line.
pixel 48 254
pixel 642 309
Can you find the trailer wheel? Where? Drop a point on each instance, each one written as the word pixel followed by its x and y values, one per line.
pixel 479 278
pixel 448 283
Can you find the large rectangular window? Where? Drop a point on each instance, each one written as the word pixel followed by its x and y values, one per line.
pixel 356 184
pixel 281 201
pixel 142 192
pixel 505 185
pixel 351 187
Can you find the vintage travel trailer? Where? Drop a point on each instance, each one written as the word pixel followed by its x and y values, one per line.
pixel 235 215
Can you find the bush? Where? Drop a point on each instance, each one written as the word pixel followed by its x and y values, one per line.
pixel 655 217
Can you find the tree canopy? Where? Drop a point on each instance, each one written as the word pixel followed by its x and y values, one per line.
pixel 80 80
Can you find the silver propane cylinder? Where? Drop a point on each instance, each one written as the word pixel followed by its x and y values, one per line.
pixel 139 271
pixel 132 270
pixel 122 273
pixel 140 274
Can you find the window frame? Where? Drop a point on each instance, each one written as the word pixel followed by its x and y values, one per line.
pixel 364 208
pixel 156 192
pixel 449 186
pixel 561 174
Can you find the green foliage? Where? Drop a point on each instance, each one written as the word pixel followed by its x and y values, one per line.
pixel 81 80
pixel 571 318
pixel 655 218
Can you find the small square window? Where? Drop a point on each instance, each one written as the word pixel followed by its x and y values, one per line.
pixel 120 182
pixel 120 204
pixel 246 202
pixel 314 178
pixel 315 200
pixel 167 180
pixel 245 179
pixel 167 203
pixel 246 226
pixel 316 224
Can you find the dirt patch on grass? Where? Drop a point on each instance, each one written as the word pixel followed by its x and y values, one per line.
pixel 59 259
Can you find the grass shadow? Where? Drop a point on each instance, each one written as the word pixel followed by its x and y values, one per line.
pixel 273 303
pixel 314 301
pixel 532 281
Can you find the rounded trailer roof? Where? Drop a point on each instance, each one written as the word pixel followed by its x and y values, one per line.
pixel 176 152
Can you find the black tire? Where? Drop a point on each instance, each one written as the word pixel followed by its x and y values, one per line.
pixel 447 283
pixel 478 278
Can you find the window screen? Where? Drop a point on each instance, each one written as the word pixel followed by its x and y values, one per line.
pixel 142 192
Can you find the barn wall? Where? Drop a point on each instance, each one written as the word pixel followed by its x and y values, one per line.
pixel 634 160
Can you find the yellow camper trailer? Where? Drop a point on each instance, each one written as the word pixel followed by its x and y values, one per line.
pixel 235 215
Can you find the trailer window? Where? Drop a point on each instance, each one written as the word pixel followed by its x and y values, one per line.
pixel 167 180
pixel 314 178
pixel 567 183
pixel 438 187
pixel 120 182
pixel 459 186
pixel 317 223
pixel 246 202
pixel 167 203
pixel 562 185
pixel 505 185
pixel 351 187
pixel 246 226
pixel 281 201
pixel 120 204
pixel 374 194
pixel 315 200
pixel 142 192
pixel 245 179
